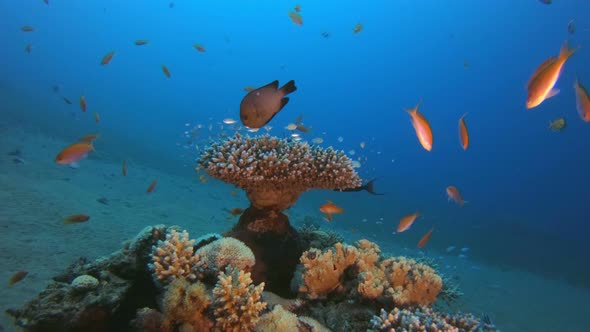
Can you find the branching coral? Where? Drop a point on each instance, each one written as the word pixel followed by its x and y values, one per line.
pixel 323 271
pixel 217 255
pixel 173 258
pixel 427 320
pixel 237 302
pixel 274 172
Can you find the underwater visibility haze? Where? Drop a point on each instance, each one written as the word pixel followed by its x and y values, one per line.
pixel 294 166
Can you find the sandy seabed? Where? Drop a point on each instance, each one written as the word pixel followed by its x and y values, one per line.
pixel 37 194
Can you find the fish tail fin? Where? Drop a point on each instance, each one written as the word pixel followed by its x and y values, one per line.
pixel 464 115
pixel 289 87
pixel 415 108
pixel 369 187
pixel 565 52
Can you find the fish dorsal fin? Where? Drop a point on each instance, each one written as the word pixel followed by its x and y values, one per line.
pixel 274 84
pixel 540 69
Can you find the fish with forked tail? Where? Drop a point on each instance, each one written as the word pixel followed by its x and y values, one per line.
pixel 259 106
pixel 368 187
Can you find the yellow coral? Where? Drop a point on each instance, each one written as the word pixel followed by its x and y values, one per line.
pixel 411 283
pixel 323 271
pixel 173 258
pixel 184 307
pixel 217 255
pixel 237 302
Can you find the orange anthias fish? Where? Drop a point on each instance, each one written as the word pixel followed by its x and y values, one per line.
pixel 357 28
pixel 76 218
pixel 329 209
pixel 296 18
pixel 582 101
pixel 425 238
pixel 16 277
pixel 463 133
pixel 540 85
pixel 422 127
pixel 107 58
pixel 88 138
pixel 152 186
pixel 83 103
pixel 199 48
pixel 454 194
pixel 406 222
pixel 73 153
pixel 141 42
pixel 166 71
pixel 124 168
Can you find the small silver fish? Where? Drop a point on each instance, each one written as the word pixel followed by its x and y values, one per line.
pixel 259 106
pixel 464 249
pixel 451 248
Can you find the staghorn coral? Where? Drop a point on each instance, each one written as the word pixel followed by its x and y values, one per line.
pixel 274 172
pixel 184 307
pixel 323 271
pixel 173 258
pixel 237 302
pixel 427 320
pixel 217 255
pixel 410 283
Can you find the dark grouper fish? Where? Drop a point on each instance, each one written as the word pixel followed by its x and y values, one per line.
pixel 259 106
pixel 368 187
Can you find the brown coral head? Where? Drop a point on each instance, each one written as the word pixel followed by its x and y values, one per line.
pixel 273 198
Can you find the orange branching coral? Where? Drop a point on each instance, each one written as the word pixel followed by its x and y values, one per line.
pixel 173 258
pixel 217 255
pixel 274 171
pixel 410 283
pixel 371 278
pixel 323 271
pixel 184 307
pixel 237 302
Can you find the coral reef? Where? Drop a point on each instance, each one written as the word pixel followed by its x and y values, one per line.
pixel 274 172
pixel 427 320
pixel 392 281
pixel 237 302
pixel 174 257
pixel 184 306
pixel 217 255
pixel 280 319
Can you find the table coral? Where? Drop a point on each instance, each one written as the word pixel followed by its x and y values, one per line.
pixel 174 257
pixel 237 302
pixel 274 171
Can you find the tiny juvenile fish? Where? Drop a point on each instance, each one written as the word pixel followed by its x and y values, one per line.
pixel 83 103
pixel 166 71
pixel 124 168
pixel 96 117
pixel 421 127
pixel 17 277
pixel 141 42
pixel 107 58
pixel 27 28
pixel 557 125
pixel 329 209
pixel 29 48
pixel 152 186
pixel 76 218
pixel 199 48
pixel 582 101
pixel 296 18
pixel 357 28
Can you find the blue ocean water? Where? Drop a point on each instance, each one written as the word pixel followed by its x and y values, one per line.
pixel 527 187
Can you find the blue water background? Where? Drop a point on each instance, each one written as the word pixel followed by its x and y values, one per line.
pixel 527 187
